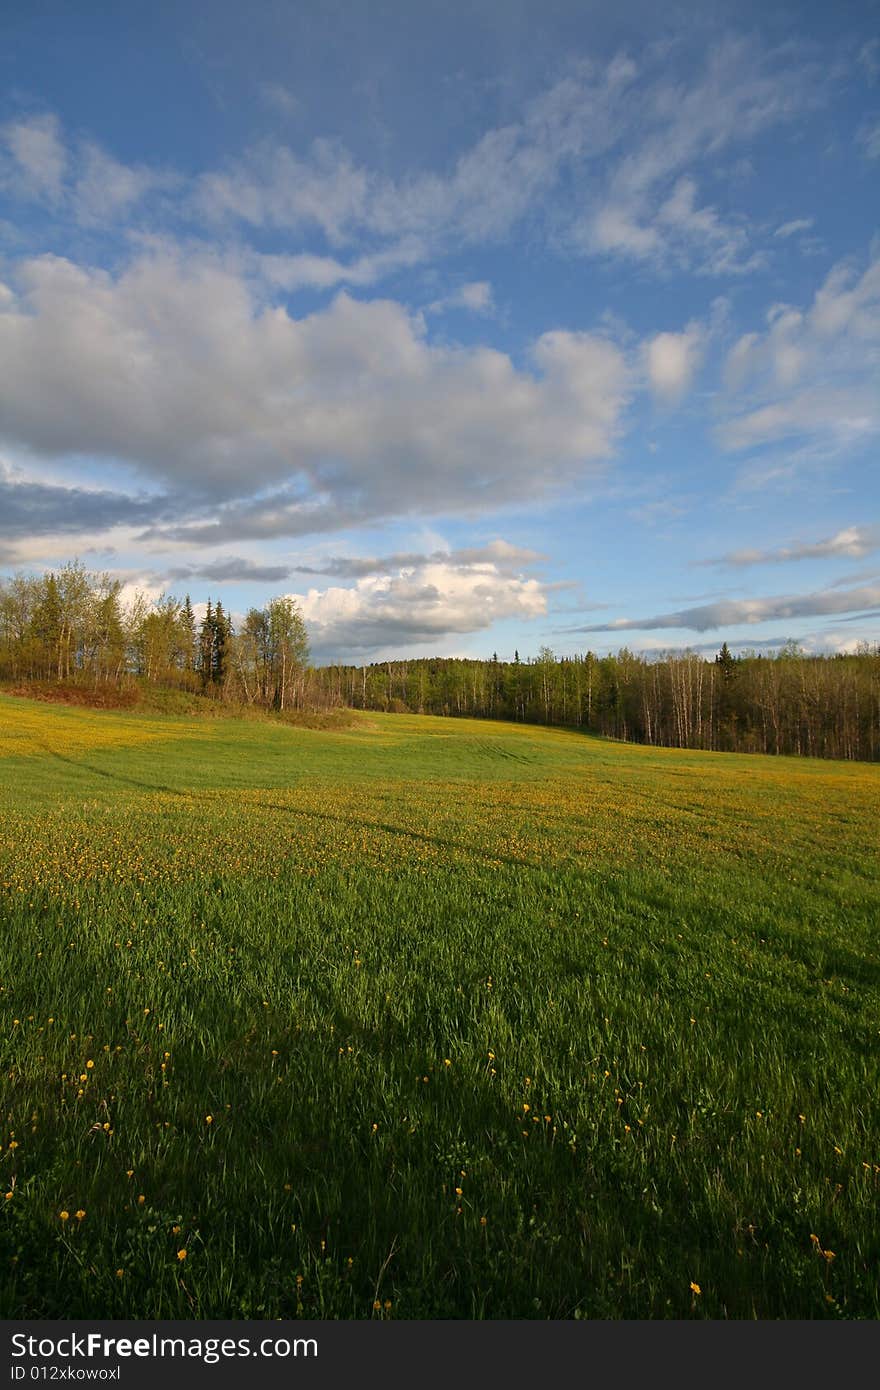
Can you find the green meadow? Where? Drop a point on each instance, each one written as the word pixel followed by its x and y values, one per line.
pixel 410 1017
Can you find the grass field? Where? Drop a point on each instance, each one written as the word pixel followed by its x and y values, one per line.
pixel 426 1018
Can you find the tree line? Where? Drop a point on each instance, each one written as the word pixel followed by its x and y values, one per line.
pixel 822 706
pixel 72 626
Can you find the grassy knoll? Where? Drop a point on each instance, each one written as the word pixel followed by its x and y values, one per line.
pixel 423 1018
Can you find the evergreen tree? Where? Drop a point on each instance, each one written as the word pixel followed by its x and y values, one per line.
pixel 206 646
pixel 188 627
pixel 222 635
pixel 726 664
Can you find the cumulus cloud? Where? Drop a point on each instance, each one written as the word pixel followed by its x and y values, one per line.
pixel 345 414
pixel 731 613
pixel 672 360
pixel 429 602
pixel 852 541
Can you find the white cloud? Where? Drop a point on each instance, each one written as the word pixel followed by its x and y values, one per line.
pixel 427 602
pixel 497 555
pixel 798 224
pixel 632 144
pixel 38 155
pixel 852 542
pixel 476 297
pixel 814 372
pixel 307 271
pixel 606 160
pixel 347 413
pixel 734 612
pixel 672 360
pixel 105 189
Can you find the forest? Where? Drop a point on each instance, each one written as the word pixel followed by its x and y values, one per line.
pixel 71 628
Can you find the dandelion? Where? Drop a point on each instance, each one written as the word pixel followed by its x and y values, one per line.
pixel 377 1306
pixel 181 1254
pixel 209 1119
pixel 695 1288
pixel 447 1061
pixel 64 1215
pixel 120 1273
pixel 89 1064
pixel 141 1199
pixel 80 1215
pixel 9 1196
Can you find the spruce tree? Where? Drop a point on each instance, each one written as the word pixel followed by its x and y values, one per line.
pixel 206 647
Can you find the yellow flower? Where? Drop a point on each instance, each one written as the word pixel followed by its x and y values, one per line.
pixel 377 1306
pixel 89 1064
pixel 695 1288
pixel 64 1215
pixel 9 1196
pixel 175 1230
pixel 80 1216
pixel 181 1254
pixel 209 1119
pixel 120 1273
pixel 141 1200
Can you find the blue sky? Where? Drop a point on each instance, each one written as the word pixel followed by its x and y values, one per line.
pixel 478 327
